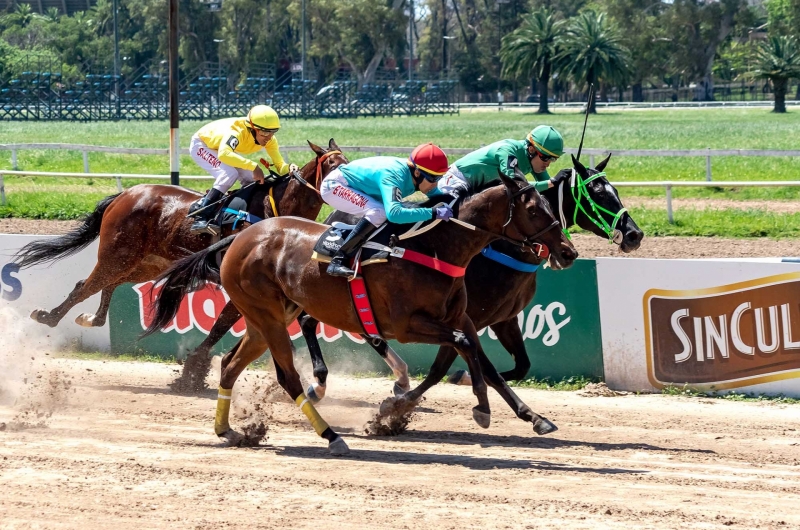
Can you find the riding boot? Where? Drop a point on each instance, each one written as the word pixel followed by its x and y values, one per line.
pixel 357 237
pixel 204 220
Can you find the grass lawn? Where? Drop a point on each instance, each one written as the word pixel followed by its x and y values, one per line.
pixel 754 128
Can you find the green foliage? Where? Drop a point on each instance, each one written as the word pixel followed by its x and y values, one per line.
pixel 779 58
pixel 732 395
pixel 569 384
pixel 593 51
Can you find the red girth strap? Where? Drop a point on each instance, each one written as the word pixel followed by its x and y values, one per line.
pixel 358 290
pixel 427 261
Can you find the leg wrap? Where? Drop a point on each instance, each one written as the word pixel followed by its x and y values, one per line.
pixel 221 424
pixel 311 413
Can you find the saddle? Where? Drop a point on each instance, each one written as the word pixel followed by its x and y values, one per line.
pixel 332 239
pixel 233 209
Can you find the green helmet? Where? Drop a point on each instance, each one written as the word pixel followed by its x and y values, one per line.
pixel 546 140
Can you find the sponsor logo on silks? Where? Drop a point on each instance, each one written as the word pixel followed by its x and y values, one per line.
pixel 534 322
pixel 360 296
pixel 200 309
pixel 364 310
pixel 11 286
pixel 233 143
pixel 724 337
pixel 350 196
pixel 397 195
pixel 331 246
pixel 512 162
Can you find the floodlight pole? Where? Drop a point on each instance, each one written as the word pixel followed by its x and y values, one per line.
pixel 174 160
pixel 411 40
pixel 303 57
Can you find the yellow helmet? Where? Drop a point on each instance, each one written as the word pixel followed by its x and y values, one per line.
pixel 263 117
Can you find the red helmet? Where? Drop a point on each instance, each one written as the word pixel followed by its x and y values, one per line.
pixel 429 158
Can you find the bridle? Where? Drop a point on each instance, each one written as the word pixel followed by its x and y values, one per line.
pixel 528 241
pixel 580 193
pixel 297 176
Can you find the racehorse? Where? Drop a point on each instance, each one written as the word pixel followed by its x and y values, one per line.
pixel 499 288
pixel 144 229
pixel 268 273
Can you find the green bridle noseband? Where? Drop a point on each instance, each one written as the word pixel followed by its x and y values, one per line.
pixel 580 194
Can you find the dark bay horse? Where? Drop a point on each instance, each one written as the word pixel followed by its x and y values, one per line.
pixel 497 292
pixel 270 278
pixel 144 229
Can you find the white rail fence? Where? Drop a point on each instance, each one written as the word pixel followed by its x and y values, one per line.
pixel 666 184
pixel 379 150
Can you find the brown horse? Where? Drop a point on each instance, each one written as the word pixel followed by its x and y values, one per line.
pixel 144 229
pixel 270 278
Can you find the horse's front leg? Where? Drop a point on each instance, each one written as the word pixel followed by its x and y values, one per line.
pixel 316 390
pixel 510 336
pixel 393 361
pixel 464 339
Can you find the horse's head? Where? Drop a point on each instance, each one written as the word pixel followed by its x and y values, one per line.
pixel 327 160
pixel 299 194
pixel 590 201
pixel 532 219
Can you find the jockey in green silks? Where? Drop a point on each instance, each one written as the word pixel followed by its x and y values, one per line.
pixel 533 156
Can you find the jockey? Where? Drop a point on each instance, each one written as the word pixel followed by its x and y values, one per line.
pixel 532 155
pixel 218 148
pixel 375 187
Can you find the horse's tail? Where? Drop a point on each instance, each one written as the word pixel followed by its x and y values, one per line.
pixel 186 275
pixel 45 250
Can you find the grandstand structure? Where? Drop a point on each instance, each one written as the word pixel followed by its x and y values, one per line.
pixel 67 7
pixel 43 90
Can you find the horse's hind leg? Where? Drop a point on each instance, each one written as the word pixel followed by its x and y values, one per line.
pixel 198 362
pixel 395 362
pixel 281 348
pixel 97 281
pixel 510 336
pixel 98 319
pixel 316 390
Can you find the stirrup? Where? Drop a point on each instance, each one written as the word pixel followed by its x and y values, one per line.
pixel 205 227
pixel 338 269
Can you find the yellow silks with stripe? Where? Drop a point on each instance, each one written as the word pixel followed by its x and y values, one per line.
pixel 311 413
pixel 221 424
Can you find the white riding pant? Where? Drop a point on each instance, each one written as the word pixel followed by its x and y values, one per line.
pixel 337 192
pixel 224 175
pixel 453 181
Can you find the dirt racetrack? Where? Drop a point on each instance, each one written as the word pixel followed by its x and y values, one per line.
pixel 94 444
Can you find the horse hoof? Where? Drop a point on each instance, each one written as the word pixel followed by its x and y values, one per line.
pixel 338 447
pixel 544 426
pixel 399 390
pixel 481 418
pixel 37 314
pixel 231 438
pixel 460 377
pixel 315 392
pixel 85 319
pixel 390 405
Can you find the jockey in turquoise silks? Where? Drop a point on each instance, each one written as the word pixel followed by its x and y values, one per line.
pixel 374 187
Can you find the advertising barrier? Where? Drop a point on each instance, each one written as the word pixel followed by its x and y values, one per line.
pixel 715 325
pixel 45 287
pixel 561 328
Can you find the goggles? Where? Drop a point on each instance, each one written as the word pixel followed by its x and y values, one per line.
pixel 544 157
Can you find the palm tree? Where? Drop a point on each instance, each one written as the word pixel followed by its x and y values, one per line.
pixel 529 52
pixel 593 50
pixel 779 60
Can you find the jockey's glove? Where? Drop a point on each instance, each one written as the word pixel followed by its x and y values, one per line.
pixel 442 211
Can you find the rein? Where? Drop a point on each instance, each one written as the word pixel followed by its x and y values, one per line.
pixel 580 193
pixel 297 176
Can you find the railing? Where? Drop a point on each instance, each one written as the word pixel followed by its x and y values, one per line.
pixel 666 184
pixel 705 153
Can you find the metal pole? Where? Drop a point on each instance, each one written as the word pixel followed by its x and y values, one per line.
pixel 303 55
pixel 14 160
pixel 669 205
pixel 85 162
pixel 174 161
pixel 708 165
pixel 411 42
pixel 2 190
pixel 116 56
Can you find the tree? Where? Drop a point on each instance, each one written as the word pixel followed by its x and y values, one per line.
pixel 593 51
pixel 779 60
pixel 531 51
